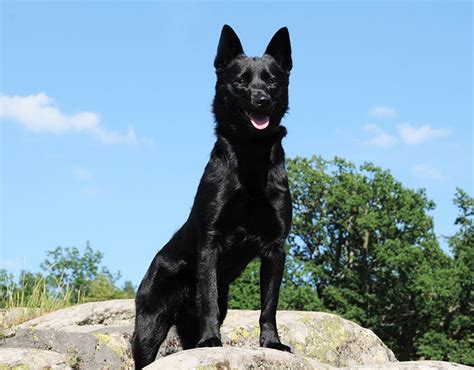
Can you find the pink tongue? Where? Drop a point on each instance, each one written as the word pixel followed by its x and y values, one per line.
pixel 260 123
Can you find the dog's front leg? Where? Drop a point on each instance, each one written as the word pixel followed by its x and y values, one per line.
pixel 208 309
pixel 271 273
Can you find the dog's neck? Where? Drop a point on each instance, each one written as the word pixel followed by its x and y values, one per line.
pixel 252 159
pixel 249 150
pixel 264 140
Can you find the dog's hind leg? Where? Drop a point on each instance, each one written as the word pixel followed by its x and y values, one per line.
pixel 158 299
pixel 151 329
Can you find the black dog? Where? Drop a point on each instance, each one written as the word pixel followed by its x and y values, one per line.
pixel 242 209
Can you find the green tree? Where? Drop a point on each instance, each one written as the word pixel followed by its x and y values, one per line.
pixel 368 246
pixel 101 288
pixel 127 291
pixel 295 292
pixel 361 239
pixel 7 286
pixel 244 293
pixel 68 267
pixel 450 337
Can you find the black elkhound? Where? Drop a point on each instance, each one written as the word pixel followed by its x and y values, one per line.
pixel 242 209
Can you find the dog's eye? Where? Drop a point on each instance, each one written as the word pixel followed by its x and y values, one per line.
pixel 271 81
pixel 241 81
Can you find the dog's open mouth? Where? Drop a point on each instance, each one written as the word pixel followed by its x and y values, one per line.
pixel 259 122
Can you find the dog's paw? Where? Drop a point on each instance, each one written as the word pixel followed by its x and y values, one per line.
pixel 210 342
pixel 278 346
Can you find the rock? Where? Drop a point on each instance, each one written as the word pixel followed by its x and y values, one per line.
pixel 16 315
pixel 264 358
pixel 92 335
pixel 324 337
pixel 84 316
pixel 26 358
pixel 85 350
pixel 97 335
pixel 99 332
pixel 412 365
pixel 236 358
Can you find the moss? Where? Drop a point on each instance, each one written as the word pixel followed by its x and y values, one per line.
pixel 16 367
pixel 222 365
pixel 283 330
pixel 243 335
pixel 39 342
pixel 74 359
pixel 111 344
pixel 306 319
pixel 324 338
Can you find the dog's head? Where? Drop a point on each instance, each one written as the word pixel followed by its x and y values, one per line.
pixel 251 92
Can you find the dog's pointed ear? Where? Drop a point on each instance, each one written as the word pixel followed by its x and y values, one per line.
pixel 229 47
pixel 280 49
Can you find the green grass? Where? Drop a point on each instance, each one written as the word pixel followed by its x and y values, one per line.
pixel 37 297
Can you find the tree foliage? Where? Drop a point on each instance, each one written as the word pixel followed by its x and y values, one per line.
pixel 452 339
pixel 295 293
pixel 66 266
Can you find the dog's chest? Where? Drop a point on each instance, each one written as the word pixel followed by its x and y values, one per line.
pixel 257 207
pixel 250 216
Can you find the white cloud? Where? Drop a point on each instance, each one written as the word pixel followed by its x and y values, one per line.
pixel 82 173
pixel 415 135
pixel 382 111
pixel 38 113
pixel 378 137
pixel 424 171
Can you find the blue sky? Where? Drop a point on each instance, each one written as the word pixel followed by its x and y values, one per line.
pixel 106 123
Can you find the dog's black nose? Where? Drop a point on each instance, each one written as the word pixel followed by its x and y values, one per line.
pixel 262 101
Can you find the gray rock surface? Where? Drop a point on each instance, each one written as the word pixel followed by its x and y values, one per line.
pixel 29 358
pixel 324 337
pixel 235 358
pixel 15 315
pixel 264 358
pixel 97 335
pixel 412 365
pixel 85 316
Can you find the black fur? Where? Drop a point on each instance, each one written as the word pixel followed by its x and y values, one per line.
pixel 242 209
